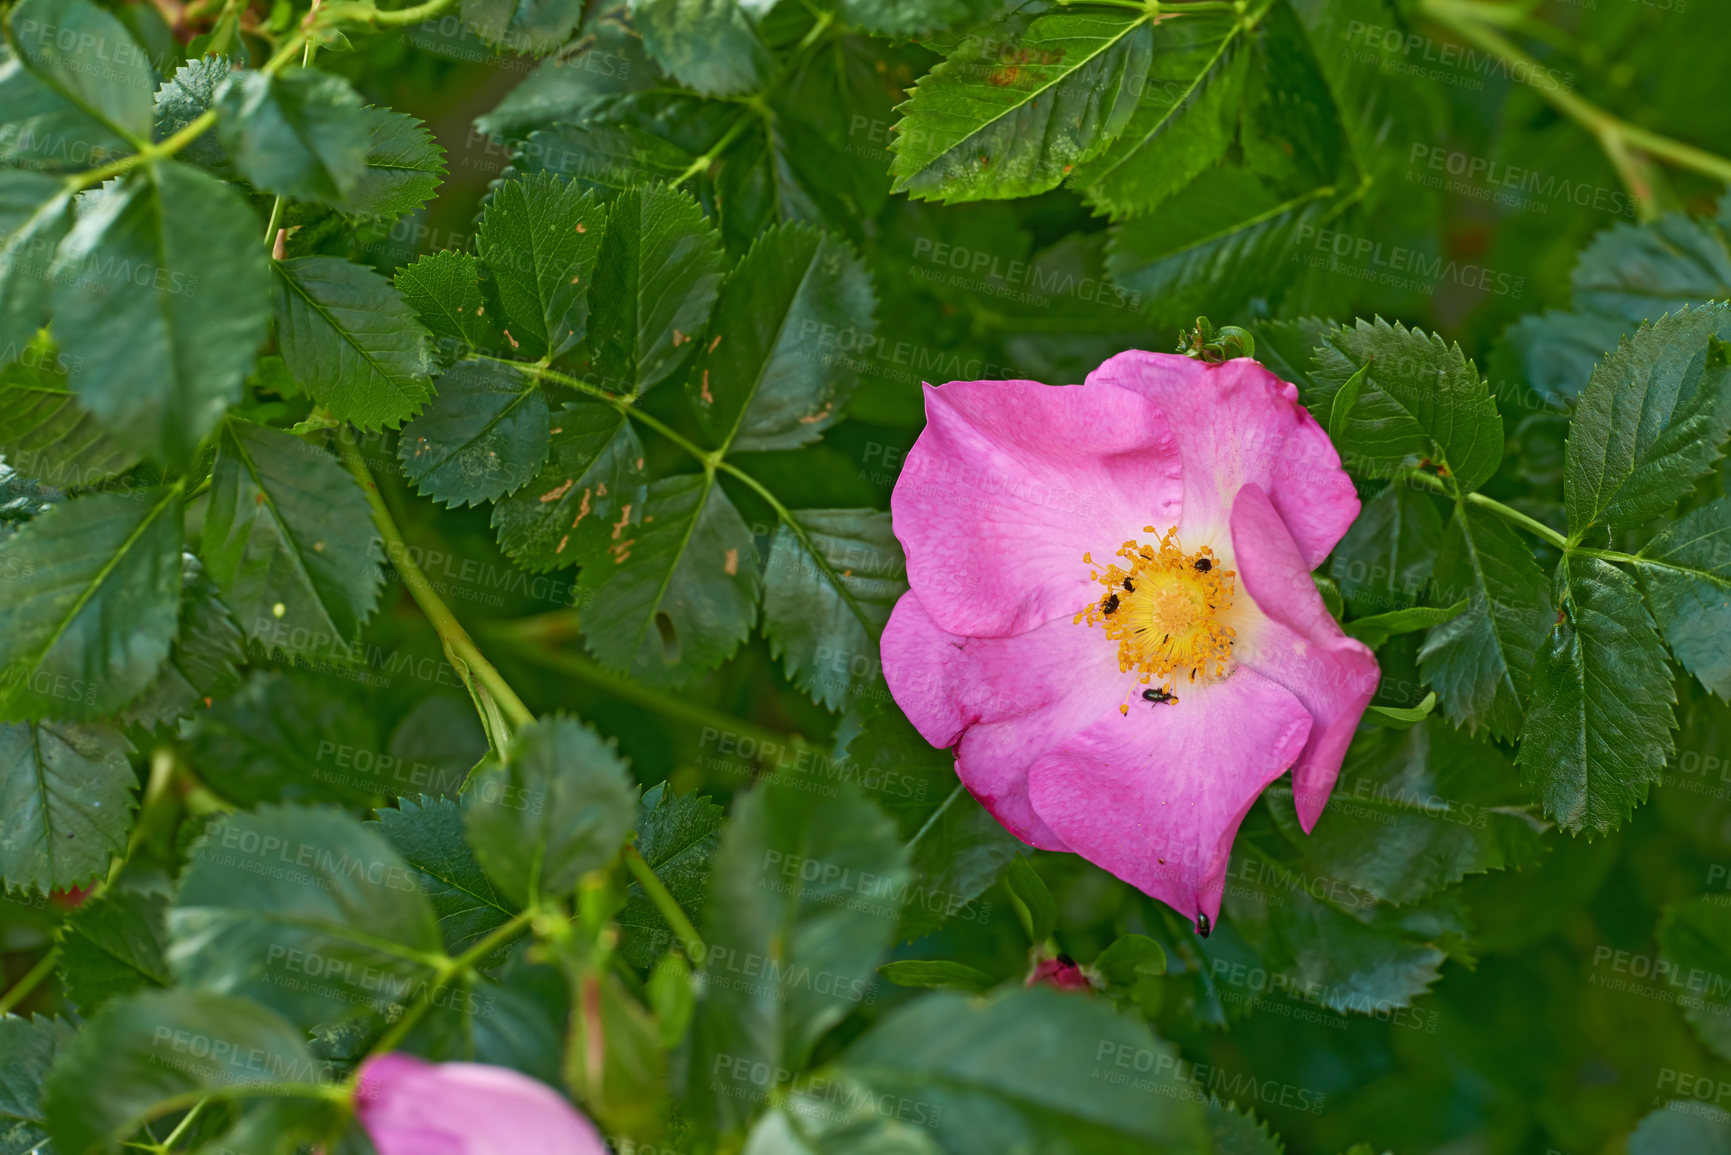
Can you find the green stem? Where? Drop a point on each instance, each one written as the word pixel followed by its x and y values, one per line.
pixel 364 13
pixel 460 648
pixel 181 1127
pixel 727 138
pixel 1507 513
pixel 1609 555
pixel 1530 524
pixel 32 978
pixel 666 905
pixel 451 970
pixel 1468 21
pixel 581 668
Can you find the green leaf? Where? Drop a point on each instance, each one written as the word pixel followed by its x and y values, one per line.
pixel 204 662
pixel 605 159
pixel 428 833
pixel 531 27
pixel 578 83
pixel 87 58
pixel 404 166
pixel 1422 400
pixel 47 434
pixel 1415 811
pixel 187 95
pixel 1230 1133
pixel 539 237
pixel 1376 629
pixel 1184 119
pixel 1642 272
pixel 1129 957
pixel 254 742
pixel 1372 99
pixel 803 899
pixel 484 435
pixel 764 380
pixel 1598 732
pixel 304 910
pixel 351 341
pixel 675 595
pixel 1401 717
pixel 1023 1070
pixel 113 945
pixel 1035 909
pixel 93 622
pixel 30 1046
pixel 1019 104
pixel 67 792
pixel 289 537
pixel 936 975
pixel 707 45
pixel 1340 409
pixel 45 131
pixel 444 289
pixel 677 835
pixel 1680 1125
pixel 903 18
pixel 1695 935
pixel 1220 240
pixel 828 590
pixel 1653 418
pixel 658 276
pixel 1387 556
pixel 847 1124
pixel 1333 941
pixel 35 212
pixel 559 805
pixel 301 133
pixel 958 849
pixel 1685 574
pixel 1480 663
pixel 586 497
pixel 158 1051
pixel 163 283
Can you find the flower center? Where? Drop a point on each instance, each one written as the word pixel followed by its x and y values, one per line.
pixel 1163 608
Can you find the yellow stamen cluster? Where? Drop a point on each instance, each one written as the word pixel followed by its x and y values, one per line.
pixel 1164 611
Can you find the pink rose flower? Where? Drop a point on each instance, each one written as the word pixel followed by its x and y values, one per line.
pixel 1111 613
pixel 412 1107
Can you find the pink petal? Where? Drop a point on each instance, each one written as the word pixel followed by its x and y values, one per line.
pixel 412 1107
pixel 1300 646
pixel 1005 700
pixel 1238 424
pixel 1157 796
pixel 1011 482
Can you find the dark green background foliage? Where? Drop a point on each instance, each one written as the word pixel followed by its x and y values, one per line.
pixel 444 539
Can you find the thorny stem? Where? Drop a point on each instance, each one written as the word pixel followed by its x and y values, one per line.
pixel 1619 139
pixel 666 905
pixel 471 665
